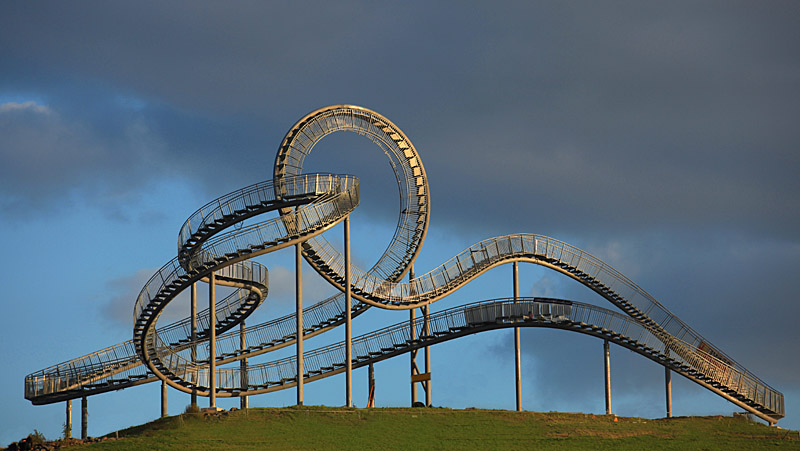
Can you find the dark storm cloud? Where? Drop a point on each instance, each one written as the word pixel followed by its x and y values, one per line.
pixel 622 117
pixel 661 137
pixel 635 119
pixel 48 156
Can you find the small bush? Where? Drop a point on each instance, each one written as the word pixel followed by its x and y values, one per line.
pixel 191 408
pixel 37 438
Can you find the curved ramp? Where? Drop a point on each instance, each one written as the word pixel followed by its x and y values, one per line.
pixel 310 204
pixel 697 364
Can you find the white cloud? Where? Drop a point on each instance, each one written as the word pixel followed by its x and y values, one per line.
pixel 123 292
pixel 25 106
pixel 282 286
pixel 544 287
pixel 49 155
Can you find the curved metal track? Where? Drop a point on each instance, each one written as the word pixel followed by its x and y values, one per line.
pixel 310 204
pixel 697 364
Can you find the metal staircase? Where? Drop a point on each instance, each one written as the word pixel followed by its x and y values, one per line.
pixel 326 200
pixel 699 365
pixel 310 204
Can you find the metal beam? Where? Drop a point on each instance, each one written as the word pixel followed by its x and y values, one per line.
pixel 668 384
pixel 421 377
pixel 348 317
pixel 212 334
pixel 194 339
pixel 68 423
pixel 244 401
pixel 426 331
pixel 371 396
pixel 163 399
pixel 607 362
pixel 413 335
pixel 298 263
pixel 517 358
pixel 84 419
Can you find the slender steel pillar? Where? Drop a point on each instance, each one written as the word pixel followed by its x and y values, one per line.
pixel 84 419
pixel 194 340
pixel 668 383
pixel 163 399
pixel 68 424
pixel 607 361
pixel 371 396
pixel 212 333
pixel 413 354
pixel 426 331
pixel 517 358
pixel 298 263
pixel 244 401
pixel 348 316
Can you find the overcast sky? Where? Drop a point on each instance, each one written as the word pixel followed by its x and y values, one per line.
pixel 661 137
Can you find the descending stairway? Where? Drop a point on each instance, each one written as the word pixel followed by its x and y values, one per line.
pixel 699 365
pixel 326 200
pixel 310 204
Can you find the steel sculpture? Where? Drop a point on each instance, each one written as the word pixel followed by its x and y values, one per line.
pixel 309 205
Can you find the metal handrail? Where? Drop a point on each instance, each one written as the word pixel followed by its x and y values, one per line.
pixel 223 255
pixel 692 362
pixel 460 269
pixel 113 360
pixel 311 203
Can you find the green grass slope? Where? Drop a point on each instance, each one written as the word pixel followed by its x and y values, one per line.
pixel 421 428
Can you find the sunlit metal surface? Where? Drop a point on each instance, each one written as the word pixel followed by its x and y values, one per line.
pixel 310 204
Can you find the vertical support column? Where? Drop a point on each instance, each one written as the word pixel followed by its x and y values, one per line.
pixel 163 399
pixel 193 314
pixel 371 397
pixel 84 419
pixel 607 361
pixel 426 331
pixel 517 357
pixel 298 263
pixel 668 383
pixel 244 401
pixel 413 354
pixel 68 423
pixel 212 336
pixel 348 316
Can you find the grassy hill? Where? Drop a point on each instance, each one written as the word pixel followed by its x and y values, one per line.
pixel 421 428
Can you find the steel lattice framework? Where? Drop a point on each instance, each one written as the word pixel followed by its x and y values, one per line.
pixel 310 204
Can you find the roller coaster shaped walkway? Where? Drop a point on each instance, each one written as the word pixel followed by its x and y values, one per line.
pixel 310 204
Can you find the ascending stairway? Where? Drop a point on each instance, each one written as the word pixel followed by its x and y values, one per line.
pixel 309 204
